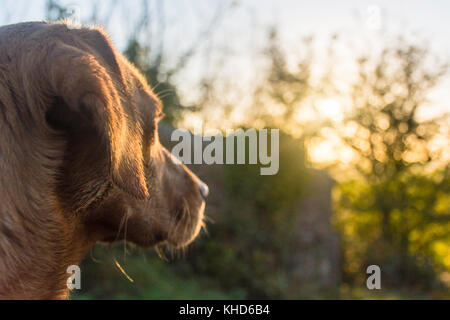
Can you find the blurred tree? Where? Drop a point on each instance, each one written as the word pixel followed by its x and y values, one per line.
pixel 56 11
pixel 140 56
pixel 289 89
pixel 146 50
pixel 283 90
pixel 285 87
pixel 388 210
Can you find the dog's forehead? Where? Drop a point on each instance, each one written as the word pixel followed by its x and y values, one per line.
pixel 140 85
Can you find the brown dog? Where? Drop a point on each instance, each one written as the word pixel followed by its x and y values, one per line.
pixel 79 157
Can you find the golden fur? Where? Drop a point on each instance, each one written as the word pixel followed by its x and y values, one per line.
pixel 79 153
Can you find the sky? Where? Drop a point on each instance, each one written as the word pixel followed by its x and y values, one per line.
pixel 241 34
pixel 243 31
pixel 321 16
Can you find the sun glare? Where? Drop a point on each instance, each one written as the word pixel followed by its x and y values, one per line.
pixel 330 108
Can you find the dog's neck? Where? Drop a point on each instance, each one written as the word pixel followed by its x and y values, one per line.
pixel 37 265
pixel 38 240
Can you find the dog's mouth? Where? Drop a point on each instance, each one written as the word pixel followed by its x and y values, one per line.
pixel 180 230
pixel 187 225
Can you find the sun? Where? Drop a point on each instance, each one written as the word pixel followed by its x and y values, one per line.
pixel 331 109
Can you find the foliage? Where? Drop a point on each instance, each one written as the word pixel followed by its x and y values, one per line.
pixel 56 11
pixel 140 56
pixel 284 88
pixel 393 212
pixel 152 278
pixel 252 243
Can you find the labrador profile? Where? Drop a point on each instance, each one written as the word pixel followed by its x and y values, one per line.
pixel 80 158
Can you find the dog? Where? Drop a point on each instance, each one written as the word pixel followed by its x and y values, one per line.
pixel 80 158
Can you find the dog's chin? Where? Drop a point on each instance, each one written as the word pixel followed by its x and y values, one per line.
pixel 186 233
pixel 181 235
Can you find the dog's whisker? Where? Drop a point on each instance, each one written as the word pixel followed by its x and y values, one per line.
pixel 125 238
pixel 160 252
pixel 209 219
pixel 92 256
pixel 156 86
pixel 123 271
pixel 167 91
pixel 122 221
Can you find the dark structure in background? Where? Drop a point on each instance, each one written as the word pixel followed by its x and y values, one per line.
pixel 312 260
pixel 316 260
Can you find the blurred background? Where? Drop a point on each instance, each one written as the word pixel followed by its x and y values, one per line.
pixel 360 93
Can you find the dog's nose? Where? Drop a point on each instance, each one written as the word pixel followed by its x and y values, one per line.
pixel 204 190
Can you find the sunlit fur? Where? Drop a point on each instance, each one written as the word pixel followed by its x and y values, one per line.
pixel 81 160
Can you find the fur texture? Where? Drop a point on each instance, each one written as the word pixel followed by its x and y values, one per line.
pixel 80 156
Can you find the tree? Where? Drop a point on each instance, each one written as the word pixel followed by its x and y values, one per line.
pixel 394 201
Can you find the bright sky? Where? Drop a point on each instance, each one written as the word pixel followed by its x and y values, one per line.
pixel 431 18
pixel 243 31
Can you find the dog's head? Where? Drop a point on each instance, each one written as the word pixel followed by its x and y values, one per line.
pixel 115 176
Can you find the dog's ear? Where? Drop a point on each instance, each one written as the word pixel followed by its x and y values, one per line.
pixel 92 100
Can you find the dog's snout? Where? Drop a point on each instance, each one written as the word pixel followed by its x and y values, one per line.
pixel 204 190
